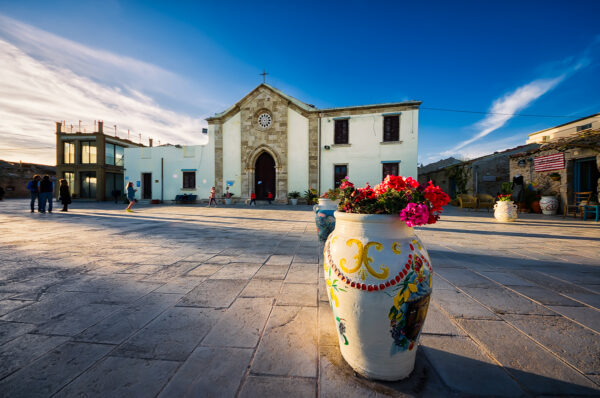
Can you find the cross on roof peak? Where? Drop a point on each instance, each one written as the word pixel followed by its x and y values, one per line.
pixel 264 75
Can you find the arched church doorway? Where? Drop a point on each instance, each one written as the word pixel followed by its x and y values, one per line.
pixel 264 176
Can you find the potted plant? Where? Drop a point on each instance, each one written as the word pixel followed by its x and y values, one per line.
pixel 379 274
pixel 554 176
pixel 549 203
pixel 294 195
pixel 324 218
pixel 227 195
pixel 505 210
pixel 311 196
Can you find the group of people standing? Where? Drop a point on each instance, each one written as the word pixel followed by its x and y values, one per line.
pixel 42 190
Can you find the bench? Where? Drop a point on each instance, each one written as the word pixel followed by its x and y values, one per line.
pixel 185 198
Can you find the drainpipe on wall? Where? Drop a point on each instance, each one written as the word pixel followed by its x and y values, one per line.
pixel 319 157
pixel 162 179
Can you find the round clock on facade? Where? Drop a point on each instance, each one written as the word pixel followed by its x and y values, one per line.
pixel 264 120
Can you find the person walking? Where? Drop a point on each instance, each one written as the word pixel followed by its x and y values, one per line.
pixel 33 187
pixel 130 196
pixel 211 197
pixel 252 199
pixel 269 197
pixel 46 190
pixel 65 194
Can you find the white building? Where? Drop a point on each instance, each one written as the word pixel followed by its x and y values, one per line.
pixel 271 142
pixel 566 130
pixel 166 171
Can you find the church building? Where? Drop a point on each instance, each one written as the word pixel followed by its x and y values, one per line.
pixel 271 142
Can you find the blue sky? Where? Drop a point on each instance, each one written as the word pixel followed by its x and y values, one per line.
pixel 160 68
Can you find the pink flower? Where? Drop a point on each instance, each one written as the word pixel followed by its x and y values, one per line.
pixel 415 214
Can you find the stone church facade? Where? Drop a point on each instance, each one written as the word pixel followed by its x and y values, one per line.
pixel 271 142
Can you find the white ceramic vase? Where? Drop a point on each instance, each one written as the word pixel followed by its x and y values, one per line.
pixel 293 201
pixel 227 201
pixel 505 211
pixel 549 205
pixel 379 284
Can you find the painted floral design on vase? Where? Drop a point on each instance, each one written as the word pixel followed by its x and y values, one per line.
pixel 505 211
pixel 549 205
pixel 324 217
pixel 379 279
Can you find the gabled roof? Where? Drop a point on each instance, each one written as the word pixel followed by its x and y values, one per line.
pixel 293 100
pixel 304 106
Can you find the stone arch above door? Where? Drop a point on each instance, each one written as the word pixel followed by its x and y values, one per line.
pixel 251 160
pixel 248 177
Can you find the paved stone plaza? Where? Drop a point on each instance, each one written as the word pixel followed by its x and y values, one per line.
pixel 190 301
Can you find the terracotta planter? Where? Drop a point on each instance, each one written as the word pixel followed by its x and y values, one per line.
pixel 324 217
pixel 379 280
pixel 505 211
pixel 535 207
pixel 549 205
pixel 155 201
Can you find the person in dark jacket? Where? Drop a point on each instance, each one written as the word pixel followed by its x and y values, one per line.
pixel 65 194
pixel 46 189
pixel 33 187
pixel 130 196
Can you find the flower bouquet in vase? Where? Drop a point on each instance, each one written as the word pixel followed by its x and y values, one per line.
pixel 379 275
pixel 505 210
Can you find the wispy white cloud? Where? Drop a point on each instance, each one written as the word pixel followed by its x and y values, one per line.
pixel 40 85
pixel 503 108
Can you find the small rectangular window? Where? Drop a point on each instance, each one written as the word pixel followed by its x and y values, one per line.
pixel 69 153
pixel 340 171
pixel 584 127
pixel 391 128
pixel 390 169
pixel 189 179
pixel 341 132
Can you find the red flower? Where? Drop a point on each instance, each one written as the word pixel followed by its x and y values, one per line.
pixel 411 182
pixel 436 197
pixel 346 184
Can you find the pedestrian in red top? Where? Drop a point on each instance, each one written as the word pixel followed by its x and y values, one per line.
pixel 252 199
pixel 269 197
pixel 212 197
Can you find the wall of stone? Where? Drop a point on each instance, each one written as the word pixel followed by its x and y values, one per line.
pixel 14 177
pixel 541 180
pixel 255 140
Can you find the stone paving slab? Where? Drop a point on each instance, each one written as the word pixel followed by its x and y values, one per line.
pixel 536 369
pixel 171 336
pixel 241 324
pixel 50 373
pixel 289 344
pixel 211 372
pixel 268 386
pixel 147 300
pixel 121 377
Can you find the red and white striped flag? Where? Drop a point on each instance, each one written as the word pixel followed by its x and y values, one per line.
pixel 549 162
